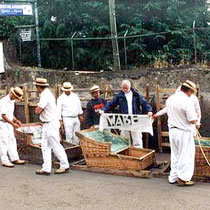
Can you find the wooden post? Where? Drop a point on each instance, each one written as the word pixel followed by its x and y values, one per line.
pixel 158 120
pixel 26 105
pixel 113 27
pixel 57 91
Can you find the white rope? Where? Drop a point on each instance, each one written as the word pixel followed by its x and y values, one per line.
pixel 199 141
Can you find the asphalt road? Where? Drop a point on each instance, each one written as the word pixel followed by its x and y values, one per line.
pixel 21 189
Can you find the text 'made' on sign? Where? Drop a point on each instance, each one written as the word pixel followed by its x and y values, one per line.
pixel 16 10
pixel 1 58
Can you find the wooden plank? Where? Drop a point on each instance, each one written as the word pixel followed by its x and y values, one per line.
pixel 78 162
pixel 165 144
pixel 26 107
pixel 158 119
pixel 164 133
pixel 130 173
pixel 167 90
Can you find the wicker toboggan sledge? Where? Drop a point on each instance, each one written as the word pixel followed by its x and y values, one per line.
pixel 102 149
pixel 29 144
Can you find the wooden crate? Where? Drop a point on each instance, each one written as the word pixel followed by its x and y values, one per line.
pixel 32 152
pixel 99 154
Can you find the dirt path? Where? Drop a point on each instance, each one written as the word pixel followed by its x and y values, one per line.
pixel 21 188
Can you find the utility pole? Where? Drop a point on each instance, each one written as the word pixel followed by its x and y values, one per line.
pixel 37 34
pixel 113 27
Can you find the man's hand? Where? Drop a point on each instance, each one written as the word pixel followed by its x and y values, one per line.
pixel 18 122
pixel 198 126
pixel 101 112
pixel 154 116
pixel 15 125
pixel 150 114
pixel 81 118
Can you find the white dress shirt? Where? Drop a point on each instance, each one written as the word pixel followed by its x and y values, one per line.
pixel 129 98
pixel 69 105
pixel 48 104
pixel 181 111
pixel 7 107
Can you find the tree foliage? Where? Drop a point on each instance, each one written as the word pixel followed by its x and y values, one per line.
pixel 61 18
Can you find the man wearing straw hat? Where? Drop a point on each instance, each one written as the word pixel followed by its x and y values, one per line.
pixel 8 122
pixel 70 112
pixel 50 133
pixel 182 118
pixel 94 106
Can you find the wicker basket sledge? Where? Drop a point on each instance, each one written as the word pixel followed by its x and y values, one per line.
pixel 32 152
pixel 202 169
pixel 100 154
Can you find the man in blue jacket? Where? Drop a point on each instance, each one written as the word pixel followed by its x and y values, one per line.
pixel 130 102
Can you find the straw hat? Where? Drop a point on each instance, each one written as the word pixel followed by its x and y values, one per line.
pixel 94 88
pixel 41 82
pixel 190 85
pixel 17 92
pixel 67 86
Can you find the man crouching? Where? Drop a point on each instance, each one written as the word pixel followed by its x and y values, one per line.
pixel 8 122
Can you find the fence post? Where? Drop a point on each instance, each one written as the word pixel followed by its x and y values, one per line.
pixel 72 49
pixel 113 27
pixel 194 37
pixel 125 51
pixel 37 35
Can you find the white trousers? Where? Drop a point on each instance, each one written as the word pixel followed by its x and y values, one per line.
pixel 8 144
pixel 51 141
pixel 71 125
pixel 136 137
pixel 182 155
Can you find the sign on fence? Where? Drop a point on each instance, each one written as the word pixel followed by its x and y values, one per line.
pixel 16 10
pixel 26 34
pixel 1 58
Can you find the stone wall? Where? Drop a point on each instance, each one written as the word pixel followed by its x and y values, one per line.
pixel 167 78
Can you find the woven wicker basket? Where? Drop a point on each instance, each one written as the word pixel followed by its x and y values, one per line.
pixel 201 167
pixel 32 152
pixel 98 155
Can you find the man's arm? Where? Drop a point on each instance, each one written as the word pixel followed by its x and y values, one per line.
pixel 145 105
pixel 13 123
pixel 111 105
pixel 38 110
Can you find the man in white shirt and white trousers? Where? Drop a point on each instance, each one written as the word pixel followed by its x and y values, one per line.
pixel 182 118
pixel 70 112
pixel 50 133
pixel 8 122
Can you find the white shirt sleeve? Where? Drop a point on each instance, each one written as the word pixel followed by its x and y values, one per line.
pixel 43 101
pixel 190 112
pixel 79 106
pixel 59 107
pixel 162 112
pixel 197 108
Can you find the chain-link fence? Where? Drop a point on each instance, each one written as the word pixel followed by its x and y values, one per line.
pixel 81 53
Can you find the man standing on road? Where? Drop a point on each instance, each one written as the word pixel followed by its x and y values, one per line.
pixel 50 134
pixel 94 106
pixel 8 122
pixel 70 112
pixel 130 102
pixel 182 118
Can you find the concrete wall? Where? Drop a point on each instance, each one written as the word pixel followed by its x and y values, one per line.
pixel 168 78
